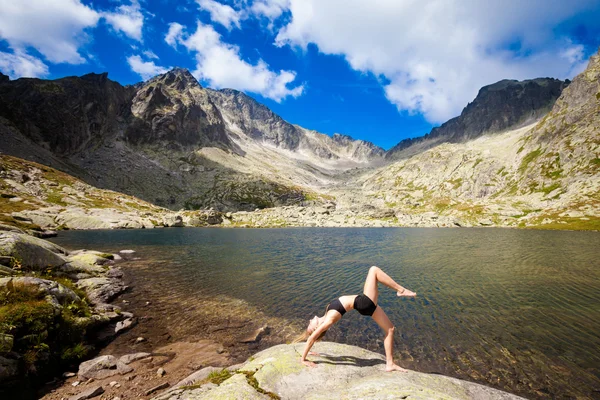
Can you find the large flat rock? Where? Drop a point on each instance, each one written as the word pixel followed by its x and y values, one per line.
pixel 342 372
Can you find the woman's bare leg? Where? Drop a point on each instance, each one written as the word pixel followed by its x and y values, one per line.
pixel 388 343
pixel 374 276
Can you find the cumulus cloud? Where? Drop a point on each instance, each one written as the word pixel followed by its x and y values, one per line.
pixel 433 56
pixel 221 65
pixel 127 19
pixel 175 34
pixel 221 13
pixel 54 28
pixel 146 69
pixel 21 64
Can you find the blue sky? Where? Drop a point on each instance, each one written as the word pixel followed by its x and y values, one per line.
pixel 377 70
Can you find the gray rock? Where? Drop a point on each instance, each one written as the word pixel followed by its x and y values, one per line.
pixel 101 289
pixel 102 367
pixel 129 358
pixel 124 325
pixel 31 252
pixel 88 394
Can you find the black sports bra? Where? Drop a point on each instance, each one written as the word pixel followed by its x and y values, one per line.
pixel 337 306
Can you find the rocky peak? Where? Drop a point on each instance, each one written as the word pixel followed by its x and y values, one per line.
pixel 497 107
pixel 173 108
pixel 4 78
pixel 177 78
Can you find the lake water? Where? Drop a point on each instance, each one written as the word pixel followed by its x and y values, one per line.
pixel 514 309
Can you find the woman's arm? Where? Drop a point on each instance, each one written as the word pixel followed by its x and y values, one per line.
pixel 312 339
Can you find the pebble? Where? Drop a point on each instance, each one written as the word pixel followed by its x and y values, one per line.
pixel 140 340
pixel 113 383
pixel 76 383
pixel 161 372
pixel 69 374
pixel 127 251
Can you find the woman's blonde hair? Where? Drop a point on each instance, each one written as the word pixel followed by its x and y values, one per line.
pixel 302 337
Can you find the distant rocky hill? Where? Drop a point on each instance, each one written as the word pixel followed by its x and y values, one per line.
pixel 498 107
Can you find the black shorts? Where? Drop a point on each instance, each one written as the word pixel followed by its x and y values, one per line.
pixel 364 305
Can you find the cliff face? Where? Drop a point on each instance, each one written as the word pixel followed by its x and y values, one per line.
pixel 505 104
pixel 66 115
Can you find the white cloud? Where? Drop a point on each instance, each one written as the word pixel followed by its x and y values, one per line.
pixel 221 13
pixel 146 69
pixel 270 9
pixel 20 64
pixel 221 65
pixel 174 35
pixel 435 55
pixel 127 19
pixel 54 28
pixel 150 54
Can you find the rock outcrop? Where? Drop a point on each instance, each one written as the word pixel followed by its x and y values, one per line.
pixel 342 372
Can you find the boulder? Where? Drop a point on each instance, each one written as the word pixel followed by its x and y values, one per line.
pixel 31 252
pixel 125 325
pixel 173 220
pixel 101 289
pixel 341 372
pixel 102 367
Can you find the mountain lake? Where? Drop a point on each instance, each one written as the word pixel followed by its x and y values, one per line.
pixel 517 310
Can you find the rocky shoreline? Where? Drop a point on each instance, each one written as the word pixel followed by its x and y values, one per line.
pixel 54 307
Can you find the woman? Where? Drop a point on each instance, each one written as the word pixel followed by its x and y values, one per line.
pixel 365 304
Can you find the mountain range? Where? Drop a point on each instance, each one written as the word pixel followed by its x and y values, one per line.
pixel 522 153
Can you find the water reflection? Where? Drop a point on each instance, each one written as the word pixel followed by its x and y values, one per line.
pixel 515 309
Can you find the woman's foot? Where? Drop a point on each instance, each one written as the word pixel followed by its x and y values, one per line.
pixel 394 367
pixel 406 293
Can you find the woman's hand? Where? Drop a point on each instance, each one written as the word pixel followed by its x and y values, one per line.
pixel 308 363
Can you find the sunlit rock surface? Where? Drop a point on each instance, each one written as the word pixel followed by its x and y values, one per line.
pixel 342 372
